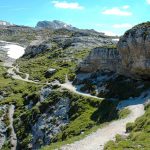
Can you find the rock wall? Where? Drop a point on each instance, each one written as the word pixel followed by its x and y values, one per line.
pixel 102 58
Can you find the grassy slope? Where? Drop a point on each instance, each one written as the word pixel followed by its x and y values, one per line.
pixel 14 89
pixel 38 65
pixel 14 92
pixel 85 113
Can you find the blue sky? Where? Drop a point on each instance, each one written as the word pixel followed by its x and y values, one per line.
pixel 110 16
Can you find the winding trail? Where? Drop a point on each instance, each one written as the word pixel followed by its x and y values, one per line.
pixel 69 86
pixel 13 137
pixel 98 139
pixel 11 72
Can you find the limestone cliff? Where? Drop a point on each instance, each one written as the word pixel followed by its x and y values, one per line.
pixel 101 58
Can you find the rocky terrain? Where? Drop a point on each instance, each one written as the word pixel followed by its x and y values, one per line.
pixel 73 85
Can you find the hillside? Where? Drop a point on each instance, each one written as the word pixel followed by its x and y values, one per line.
pixel 74 89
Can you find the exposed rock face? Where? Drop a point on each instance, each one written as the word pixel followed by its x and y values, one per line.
pixel 72 40
pixel 50 124
pixel 131 57
pixel 53 25
pixel 3 127
pixel 134 48
pixel 33 50
pixel 101 59
pixel 80 42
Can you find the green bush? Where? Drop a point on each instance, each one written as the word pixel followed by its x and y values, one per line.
pixel 129 127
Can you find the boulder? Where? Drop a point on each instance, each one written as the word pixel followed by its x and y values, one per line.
pixel 50 72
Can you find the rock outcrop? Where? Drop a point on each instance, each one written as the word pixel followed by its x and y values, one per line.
pixel 131 57
pixel 35 49
pixel 72 40
pixel 134 48
pixel 80 42
pixel 50 72
pixel 101 58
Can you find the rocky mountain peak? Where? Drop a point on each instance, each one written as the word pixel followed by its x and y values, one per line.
pixel 55 24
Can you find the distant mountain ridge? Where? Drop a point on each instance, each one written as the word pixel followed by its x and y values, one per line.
pixel 4 23
pixel 55 24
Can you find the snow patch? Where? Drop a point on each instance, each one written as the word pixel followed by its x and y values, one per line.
pixel 13 50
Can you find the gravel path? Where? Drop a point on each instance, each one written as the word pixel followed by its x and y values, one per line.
pixel 69 86
pixel 96 140
pixel 11 72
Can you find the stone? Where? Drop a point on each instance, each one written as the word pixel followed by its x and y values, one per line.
pixel 50 72
pixel 1 97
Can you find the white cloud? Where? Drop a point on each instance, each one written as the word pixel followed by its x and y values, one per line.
pixel 67 5
pixel 125 25
pixel 148 1
pixel 116 11
pixel 126 7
